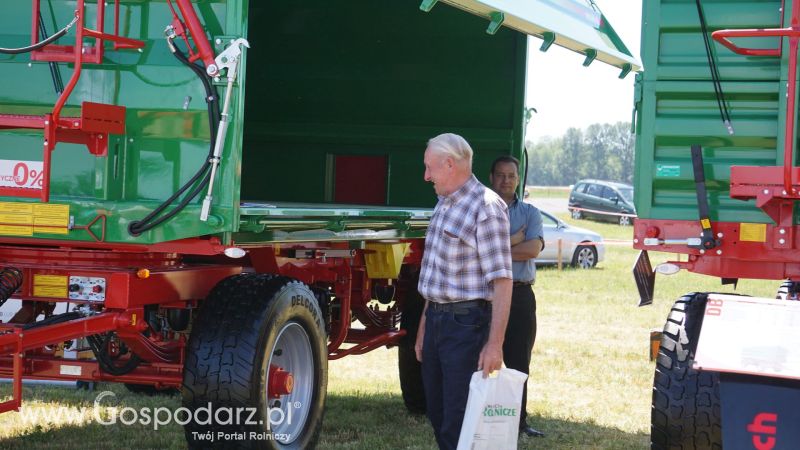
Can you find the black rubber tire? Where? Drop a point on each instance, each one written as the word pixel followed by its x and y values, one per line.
pixel 149 389
pixel 410 370
pixel 584 253
pixel 232 340
pixel 685 410
pixel 784 289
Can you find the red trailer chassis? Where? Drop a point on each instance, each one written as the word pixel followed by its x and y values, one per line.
pixel 140 279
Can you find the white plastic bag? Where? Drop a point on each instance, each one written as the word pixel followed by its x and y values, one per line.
pixel 491 420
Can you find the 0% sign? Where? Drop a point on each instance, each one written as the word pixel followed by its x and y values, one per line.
pixel 26 176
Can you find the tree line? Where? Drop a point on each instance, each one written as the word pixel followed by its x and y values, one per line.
pixel 602 151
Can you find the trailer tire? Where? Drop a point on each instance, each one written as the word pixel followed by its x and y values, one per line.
pixel 410 370
pixel 247 323
pixel 788 290
pixel 685 409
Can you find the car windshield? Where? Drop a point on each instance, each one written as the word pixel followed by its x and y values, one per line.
pixel 547 219
pixel 627 194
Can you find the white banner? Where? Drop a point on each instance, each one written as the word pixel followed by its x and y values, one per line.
pixel 21 174
pixel 750 335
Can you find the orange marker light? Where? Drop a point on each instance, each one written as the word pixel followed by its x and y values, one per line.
pixel 143 273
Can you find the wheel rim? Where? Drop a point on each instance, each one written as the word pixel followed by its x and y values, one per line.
pixel 585 258
pixel 624 220
pixel 292 351
pixel 576 214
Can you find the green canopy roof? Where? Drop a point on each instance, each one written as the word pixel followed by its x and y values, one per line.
pixel 574 24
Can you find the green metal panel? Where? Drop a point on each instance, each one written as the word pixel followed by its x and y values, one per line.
pixel 673 48
pixel 166 136
pixel 677 107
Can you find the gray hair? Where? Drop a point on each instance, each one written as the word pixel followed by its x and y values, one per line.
pixel 452 145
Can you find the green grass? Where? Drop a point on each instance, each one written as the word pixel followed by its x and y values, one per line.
pixel 590 383
pixel 608 230
pixel 548 191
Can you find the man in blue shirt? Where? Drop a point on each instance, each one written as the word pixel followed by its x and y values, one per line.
pixel 527 240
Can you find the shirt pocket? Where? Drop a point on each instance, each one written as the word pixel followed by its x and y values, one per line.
pixel 458 250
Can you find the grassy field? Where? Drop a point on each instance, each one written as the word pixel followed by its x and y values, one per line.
pixel 548 191
pixel 590 383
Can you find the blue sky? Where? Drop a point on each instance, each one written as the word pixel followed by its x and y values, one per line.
pixel 566 94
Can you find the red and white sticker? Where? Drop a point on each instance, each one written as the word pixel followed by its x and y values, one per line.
pixel 21 174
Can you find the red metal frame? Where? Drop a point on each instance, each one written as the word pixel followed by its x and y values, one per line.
pixel 204 51
pixel 91 54
pixel 793 34
pixel 172 283
pixel 192 246
pixel 734 258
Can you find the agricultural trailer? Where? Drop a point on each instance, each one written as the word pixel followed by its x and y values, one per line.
pixel 222 196
pixel 716 180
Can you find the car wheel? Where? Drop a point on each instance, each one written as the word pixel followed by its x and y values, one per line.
pixel 585 257
pixel 624 221
pixel 576 214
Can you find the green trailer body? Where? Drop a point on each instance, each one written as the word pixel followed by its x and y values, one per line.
pixel 310 110
pixel 231 250
pixel 677 107
pixel 305 101
pixel 745 211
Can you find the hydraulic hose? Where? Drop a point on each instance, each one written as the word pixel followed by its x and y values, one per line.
pixel 99 345
pixel 10 281
pixel 153 220
pixel 40 44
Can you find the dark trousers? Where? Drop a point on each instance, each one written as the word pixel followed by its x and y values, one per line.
pixel 520 336
pixel 451 347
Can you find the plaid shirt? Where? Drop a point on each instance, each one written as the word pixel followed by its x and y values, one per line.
pixel 467 245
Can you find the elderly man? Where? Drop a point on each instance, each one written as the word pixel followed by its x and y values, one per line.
pixel 527 240
pixel 466 281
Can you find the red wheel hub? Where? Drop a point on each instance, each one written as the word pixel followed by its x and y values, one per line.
pixel 281 382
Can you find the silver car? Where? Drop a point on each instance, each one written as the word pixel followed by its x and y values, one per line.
pixel 579 247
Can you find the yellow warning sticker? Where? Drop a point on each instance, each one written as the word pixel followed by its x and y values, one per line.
pixel 45 218
pixel 49 280
pixel 16 219
pixel 16 208
pixel 705 223
pixel 753 232
pixel 50 214
pixel 50 291
pixel 50 285
pixel 9 230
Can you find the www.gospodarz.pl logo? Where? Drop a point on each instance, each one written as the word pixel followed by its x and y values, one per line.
pixel 106 411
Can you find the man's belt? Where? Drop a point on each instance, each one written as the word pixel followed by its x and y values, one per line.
pixel 522 283
pixel 458 307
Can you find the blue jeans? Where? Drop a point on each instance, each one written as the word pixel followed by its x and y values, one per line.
pixel 451 347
